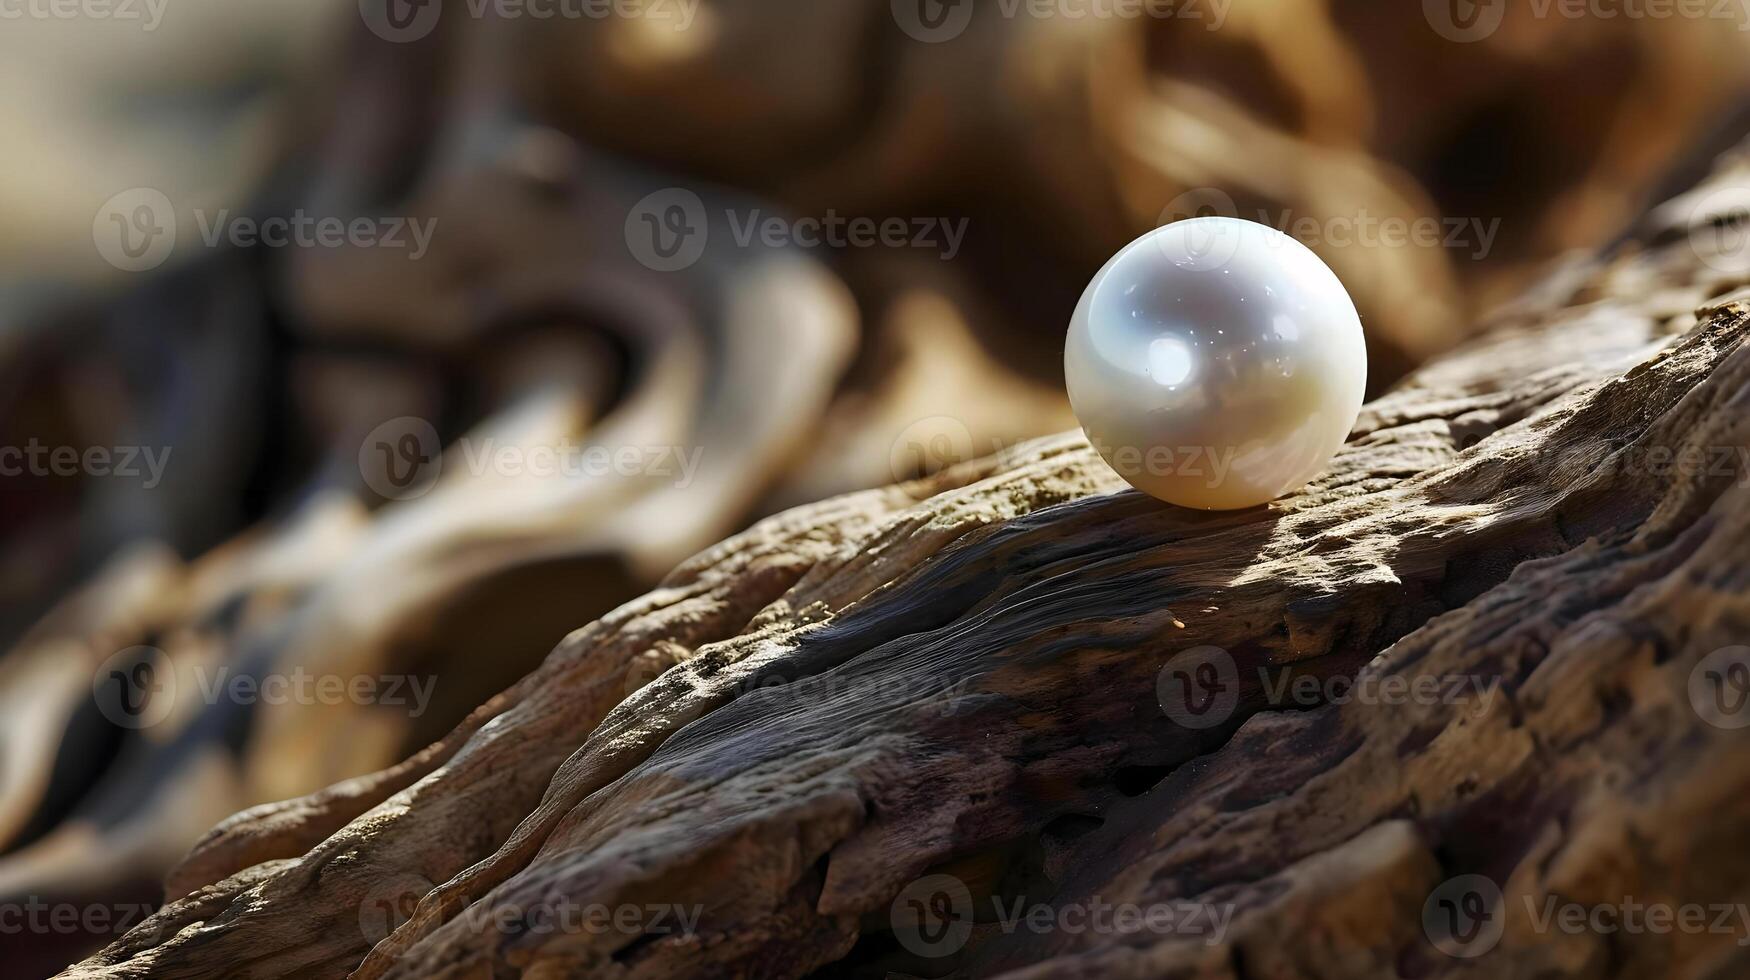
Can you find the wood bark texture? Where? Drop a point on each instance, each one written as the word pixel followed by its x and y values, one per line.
pixel 970 676
pixel 1432 176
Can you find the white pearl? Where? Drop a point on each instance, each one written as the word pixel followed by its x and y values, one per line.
pixel 1216 363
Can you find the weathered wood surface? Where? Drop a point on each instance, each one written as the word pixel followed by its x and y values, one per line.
pixel 963 676
pixel 529 141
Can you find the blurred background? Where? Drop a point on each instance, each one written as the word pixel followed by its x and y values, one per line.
pixel 352 352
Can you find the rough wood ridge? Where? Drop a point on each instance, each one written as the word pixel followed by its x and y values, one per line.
pixel 965 678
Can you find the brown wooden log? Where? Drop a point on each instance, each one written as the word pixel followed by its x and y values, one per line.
pixel 973 676
pixel 1056 140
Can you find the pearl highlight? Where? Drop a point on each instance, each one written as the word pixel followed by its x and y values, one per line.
pixel 1216 363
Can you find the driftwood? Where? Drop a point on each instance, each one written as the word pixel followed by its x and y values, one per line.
pixel 268 549
pixel 529 141
pixel 981 676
